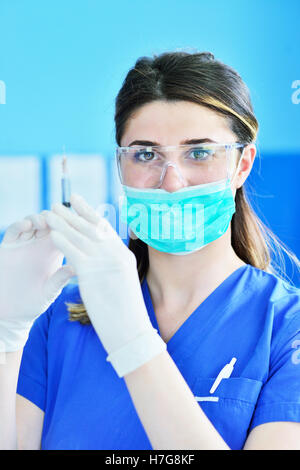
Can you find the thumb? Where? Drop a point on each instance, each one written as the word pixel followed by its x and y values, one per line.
pixel 57 282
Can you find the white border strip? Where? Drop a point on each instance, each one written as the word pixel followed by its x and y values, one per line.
pixel 207 398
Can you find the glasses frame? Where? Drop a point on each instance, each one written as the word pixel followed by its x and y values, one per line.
pixel 168 148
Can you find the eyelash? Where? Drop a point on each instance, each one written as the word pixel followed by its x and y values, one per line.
pixel 208 153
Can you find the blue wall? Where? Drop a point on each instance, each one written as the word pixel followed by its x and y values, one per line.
pixel 63 62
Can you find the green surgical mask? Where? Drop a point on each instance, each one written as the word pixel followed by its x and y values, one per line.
pixel 179 222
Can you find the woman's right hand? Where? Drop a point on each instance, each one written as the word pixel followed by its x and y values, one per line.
pixel 31 277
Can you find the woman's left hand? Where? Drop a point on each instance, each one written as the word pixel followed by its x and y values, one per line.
pixel 107 274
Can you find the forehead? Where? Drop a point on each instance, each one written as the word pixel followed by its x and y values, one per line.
pixel 170 123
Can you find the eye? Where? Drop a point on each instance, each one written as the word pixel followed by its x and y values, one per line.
pixel 201 154
pixel 143 156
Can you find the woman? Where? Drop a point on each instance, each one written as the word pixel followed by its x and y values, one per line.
pixel 155 323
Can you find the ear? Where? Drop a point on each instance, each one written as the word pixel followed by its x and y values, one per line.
pixel 245 165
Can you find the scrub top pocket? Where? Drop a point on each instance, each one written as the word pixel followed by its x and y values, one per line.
pixel 230 408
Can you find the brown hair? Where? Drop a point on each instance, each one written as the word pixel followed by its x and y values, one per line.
pixel 201 79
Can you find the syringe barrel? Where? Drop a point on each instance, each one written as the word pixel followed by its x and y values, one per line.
pixel 66 191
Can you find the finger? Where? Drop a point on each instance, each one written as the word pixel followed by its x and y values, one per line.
pixel 79 223
pixel 87 212
pixel 38 221
pixel 14 230
pixel 43 214
pixel 58 280
pixel 39 224
pixel 71 252
pixel 46 229
pixel 58 224
pixel 84 209
pixel 25 236
pixel 42 233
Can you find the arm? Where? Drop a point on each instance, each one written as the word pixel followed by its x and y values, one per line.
pixel 25 294
pixel 167 409
pixel 274 436
pixel 110 289
pixel 30 420
pixel 111 292
pixel 156 389
pixel 9 370
pixel 21 421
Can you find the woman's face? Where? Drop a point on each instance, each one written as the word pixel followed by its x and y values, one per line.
pixel 175 123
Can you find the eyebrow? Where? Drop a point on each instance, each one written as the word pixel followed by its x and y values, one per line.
pixel 184 142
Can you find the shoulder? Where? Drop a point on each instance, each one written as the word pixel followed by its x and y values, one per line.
pixel 280 299
pixel 275 288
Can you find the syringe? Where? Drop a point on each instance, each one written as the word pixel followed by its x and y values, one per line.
pixel 65 184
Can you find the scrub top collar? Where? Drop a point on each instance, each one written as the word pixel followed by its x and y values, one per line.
pixel 201 321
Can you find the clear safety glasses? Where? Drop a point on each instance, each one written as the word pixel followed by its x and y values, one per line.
pixel 145 167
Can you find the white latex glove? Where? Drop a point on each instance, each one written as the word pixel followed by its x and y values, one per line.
pixel 31 277
pixel 108 282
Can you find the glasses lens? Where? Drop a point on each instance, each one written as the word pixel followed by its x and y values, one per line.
pixel 145 167
pixel 139 168
pixel 205 164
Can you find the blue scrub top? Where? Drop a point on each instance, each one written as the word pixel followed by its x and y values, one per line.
pixel 252 316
